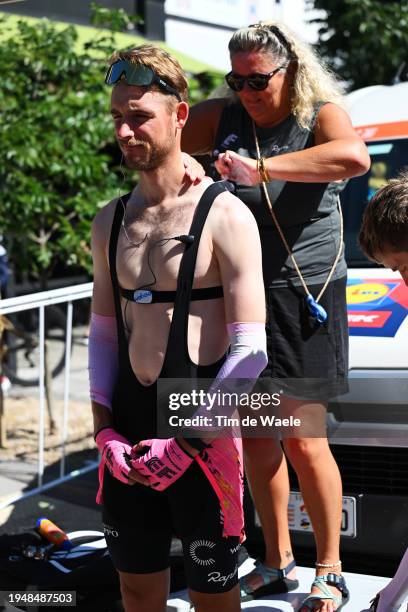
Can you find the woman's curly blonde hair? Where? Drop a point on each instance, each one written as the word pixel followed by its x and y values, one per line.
pixel 313 82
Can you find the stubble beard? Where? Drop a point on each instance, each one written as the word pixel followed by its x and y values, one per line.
pixel 152 155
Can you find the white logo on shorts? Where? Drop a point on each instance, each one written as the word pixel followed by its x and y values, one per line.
pixel 201 544
pixel 217 577
pixel 110 531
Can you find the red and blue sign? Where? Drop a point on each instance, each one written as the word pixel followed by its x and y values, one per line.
pixel 376 307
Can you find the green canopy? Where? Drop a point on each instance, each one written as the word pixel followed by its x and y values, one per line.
pixel 87 33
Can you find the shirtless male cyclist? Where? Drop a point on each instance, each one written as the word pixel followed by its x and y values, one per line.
pixel 178 293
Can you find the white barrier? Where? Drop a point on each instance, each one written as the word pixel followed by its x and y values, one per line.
pixel 41 300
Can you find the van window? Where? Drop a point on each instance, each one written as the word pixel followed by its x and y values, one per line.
pixel 387 159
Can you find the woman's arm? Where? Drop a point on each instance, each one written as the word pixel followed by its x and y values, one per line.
pixel 199 133
pixel 339 153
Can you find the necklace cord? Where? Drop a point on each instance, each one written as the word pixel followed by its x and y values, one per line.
pixel 260 162
pixel 136 245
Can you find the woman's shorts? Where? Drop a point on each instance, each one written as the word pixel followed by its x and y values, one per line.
pixel 307 360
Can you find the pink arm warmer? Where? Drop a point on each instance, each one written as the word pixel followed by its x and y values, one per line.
pixel 248 356
pixel 103 362
pixel 245 361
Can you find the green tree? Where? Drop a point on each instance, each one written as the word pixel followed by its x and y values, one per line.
pixel 55 132
pixel 364 41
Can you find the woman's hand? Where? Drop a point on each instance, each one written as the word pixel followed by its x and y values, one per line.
pixel 236 168
pixel 194 172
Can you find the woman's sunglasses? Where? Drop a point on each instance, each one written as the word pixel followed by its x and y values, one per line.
pixel 137 74
pixel 257 80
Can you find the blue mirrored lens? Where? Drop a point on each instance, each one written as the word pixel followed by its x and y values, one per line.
pixel 134 74
pixel 139 75
pixel 114 73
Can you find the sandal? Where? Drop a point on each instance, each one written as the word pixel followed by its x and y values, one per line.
pixel 320 582
pixel 274 581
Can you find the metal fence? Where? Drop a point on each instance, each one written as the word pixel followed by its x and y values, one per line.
pixel 41 300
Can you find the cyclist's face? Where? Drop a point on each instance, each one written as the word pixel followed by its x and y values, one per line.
pixel 145 125
pixel 397 261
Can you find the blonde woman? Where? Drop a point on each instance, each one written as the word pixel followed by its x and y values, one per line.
pixel 286 109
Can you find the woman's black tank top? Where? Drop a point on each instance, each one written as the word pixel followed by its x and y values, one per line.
pixel 307 212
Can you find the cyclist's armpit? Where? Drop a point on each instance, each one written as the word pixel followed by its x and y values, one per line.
pixel 102 297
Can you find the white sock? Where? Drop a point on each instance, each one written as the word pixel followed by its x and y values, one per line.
pixel 396 592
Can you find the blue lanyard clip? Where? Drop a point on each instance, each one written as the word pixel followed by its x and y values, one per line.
pixel 317 312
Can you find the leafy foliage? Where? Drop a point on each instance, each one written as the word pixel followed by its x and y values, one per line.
pixel 55 164
pixel 365 41
pixel 201 85
pixel 115 19
pixel 57 152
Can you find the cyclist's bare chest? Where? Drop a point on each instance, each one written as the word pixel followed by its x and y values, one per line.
pixel 148 253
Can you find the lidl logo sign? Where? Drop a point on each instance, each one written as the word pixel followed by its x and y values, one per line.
pixel 376 307
pixel 361 293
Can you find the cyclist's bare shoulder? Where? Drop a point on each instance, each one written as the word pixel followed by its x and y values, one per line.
pixel 102 297
pixel 102 223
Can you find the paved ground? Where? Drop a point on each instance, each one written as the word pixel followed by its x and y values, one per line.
pixel 16 475
pixel 70 505
pixel 79 374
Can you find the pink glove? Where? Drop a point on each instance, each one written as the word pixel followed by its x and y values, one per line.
pixel 165 460
pixel 115 449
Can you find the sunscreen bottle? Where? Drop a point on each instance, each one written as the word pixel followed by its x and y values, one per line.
pixel 53 534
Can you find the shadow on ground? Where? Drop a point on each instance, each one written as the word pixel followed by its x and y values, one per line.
pixel 70 505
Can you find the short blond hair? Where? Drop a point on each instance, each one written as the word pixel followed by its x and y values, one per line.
pixel 159 60
pixel 313 81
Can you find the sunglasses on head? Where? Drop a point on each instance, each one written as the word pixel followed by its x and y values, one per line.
pixel 257 80
pixel 137 74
